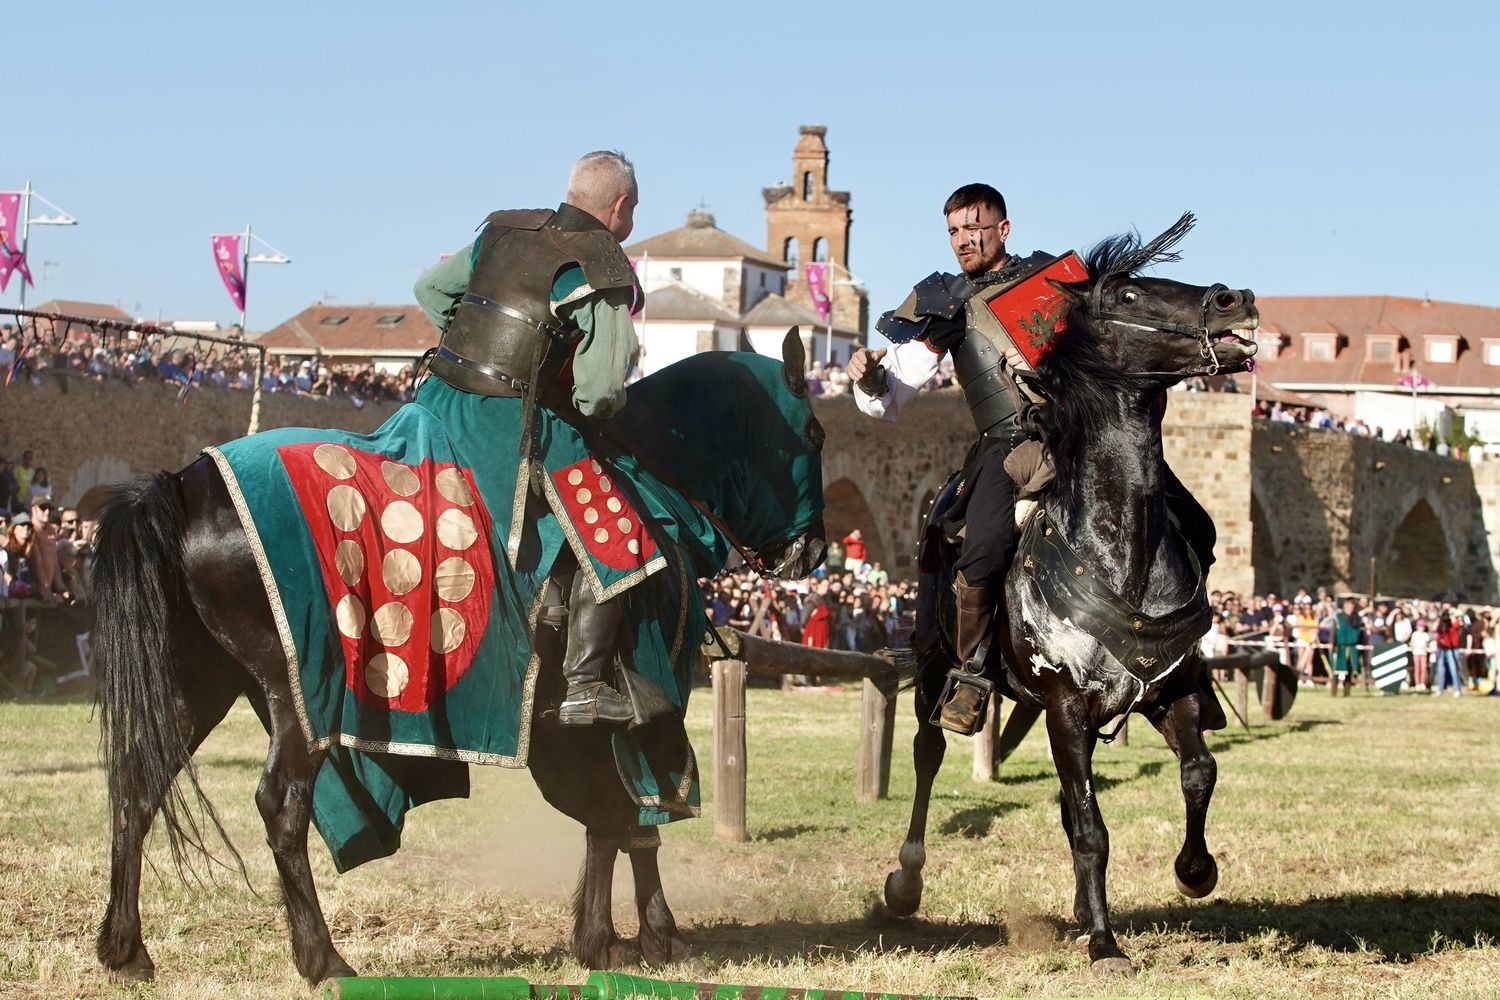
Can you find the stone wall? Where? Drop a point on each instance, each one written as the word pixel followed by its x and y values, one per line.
pixel 85 432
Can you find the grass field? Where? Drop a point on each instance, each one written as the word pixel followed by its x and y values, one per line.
pixel 1357 844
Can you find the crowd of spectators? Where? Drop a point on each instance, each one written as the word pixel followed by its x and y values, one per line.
pixel 1462 640
pixel 187 363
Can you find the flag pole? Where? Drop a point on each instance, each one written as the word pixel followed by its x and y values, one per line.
pixel 25 234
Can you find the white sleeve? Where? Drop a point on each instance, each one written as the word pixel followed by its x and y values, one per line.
pixel 909 367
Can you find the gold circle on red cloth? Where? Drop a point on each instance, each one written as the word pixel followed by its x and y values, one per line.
pixel 401 522
pixel 583 496
pixel 349 560
pixel 453 579
pixel 448 630
pixel 601 535
pixel 613 503
pixel 391 623
pixel 455 529
pixel 604 484
pixel 350 615
pixel 386 675
pixel 402 481
pixel 624 525
pixel 335 460
pixel 634 546
pixel 575 477
pixel 346 507
pixel 452 484
pixel 590 516
pixel 401 571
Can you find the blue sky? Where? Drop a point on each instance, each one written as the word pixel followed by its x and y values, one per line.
pixel 1326 148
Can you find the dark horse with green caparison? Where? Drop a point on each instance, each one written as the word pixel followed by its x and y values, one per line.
pixel 185 628
pixel 1105 601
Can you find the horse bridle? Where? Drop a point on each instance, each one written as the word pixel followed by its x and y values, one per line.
pixel 1199 332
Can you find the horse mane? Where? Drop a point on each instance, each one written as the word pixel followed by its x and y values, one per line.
pixel 1082 384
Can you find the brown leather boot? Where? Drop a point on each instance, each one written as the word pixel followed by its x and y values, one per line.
pixel 976 619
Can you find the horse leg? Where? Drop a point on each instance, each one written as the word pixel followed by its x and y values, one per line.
pixel 660 942
pixel 594 942
pixel 903 888
pixel 120 946
pixel 1073 748
pixel 284 798
pixel 1197 872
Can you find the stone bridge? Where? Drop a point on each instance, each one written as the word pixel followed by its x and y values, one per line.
pixel 1294 507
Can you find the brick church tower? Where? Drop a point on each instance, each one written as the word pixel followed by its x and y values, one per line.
pixel 805 222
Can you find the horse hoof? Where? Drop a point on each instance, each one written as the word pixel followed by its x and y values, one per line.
pixel 1202 888
pixel 622 956
pixel 134 972
pixel 656 953
pixel 1118 965
pixel 900 902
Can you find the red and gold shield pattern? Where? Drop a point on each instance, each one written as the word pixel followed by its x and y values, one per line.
pixel 609 526
pixel 405 558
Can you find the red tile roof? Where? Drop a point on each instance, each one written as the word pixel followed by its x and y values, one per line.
pixel 89 310
pixel 361 330
pixel 1355 318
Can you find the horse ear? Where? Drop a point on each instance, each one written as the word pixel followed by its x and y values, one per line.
pixel 745 344
pixel 794 363
pixel 1074 290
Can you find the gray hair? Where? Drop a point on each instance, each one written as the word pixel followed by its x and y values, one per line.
pixel 598 178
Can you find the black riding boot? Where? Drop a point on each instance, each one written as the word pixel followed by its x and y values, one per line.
pixel 967 692
pixel 593 629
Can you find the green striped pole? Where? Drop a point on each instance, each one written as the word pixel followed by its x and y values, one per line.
pixel 600 986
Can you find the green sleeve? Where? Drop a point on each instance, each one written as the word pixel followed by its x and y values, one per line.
pixel 607 352
pixel 440 286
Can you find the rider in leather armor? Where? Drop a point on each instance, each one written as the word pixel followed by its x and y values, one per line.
pixel 538 310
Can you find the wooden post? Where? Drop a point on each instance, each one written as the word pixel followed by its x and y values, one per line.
pixel 1242 692
pixel 877 726
pixel 729 750
pixel 983 768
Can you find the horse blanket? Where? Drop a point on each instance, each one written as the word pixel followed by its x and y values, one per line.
pixel 405 570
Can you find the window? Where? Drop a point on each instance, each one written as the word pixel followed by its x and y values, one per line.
pixel 1442 350
pixel 390 319
pixel 820 248
pixel 333 320
pixel 763 279
pixel 1492 352
pixel 1320 346
pixel 807 186
pixel 1381 349
pixel 675 274
pixel 789 251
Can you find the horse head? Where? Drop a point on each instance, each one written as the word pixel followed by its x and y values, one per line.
pixel 1151 332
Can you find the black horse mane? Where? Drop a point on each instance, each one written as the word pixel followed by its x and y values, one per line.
pixel 1082 383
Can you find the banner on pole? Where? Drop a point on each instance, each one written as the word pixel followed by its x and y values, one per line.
pixel 817 288
pixel 1388 664
pixel 11 258
pixel 227 257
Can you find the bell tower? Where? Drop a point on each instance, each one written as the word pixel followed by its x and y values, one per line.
pixel 806 221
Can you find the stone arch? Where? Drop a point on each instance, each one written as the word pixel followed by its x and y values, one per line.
pixel 844 509
pixel 1416 561
pixel 789 251
pixel 820 249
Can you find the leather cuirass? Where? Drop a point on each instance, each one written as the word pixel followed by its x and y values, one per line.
pixel 502 338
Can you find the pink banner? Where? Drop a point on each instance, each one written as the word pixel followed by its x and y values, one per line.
pixel 11 258
pixel 227 257
pixel 817 287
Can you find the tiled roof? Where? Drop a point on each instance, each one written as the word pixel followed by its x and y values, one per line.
pixel 777 310
pixel 90 310
pixel 679 302
pixel 700 238
pixel 353 329
pixel 1355 318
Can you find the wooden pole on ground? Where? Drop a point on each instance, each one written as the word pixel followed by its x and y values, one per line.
pixel 729 750
pixel 877 726
pixel 983 768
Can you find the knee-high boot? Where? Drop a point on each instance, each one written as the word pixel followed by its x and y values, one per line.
pixel 593 630
pixel 976 619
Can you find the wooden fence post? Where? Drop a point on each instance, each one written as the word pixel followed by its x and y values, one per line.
pixel 877 726
pixel 1242 692
pixel 729 750
pixel 984 742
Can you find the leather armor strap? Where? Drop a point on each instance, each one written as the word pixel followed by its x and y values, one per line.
pixel 554 330
pixel 516 385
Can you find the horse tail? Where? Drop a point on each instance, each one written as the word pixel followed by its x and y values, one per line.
pixel 139 590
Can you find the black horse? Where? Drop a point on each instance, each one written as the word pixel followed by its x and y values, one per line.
pixel 185 628
pixel 1104 602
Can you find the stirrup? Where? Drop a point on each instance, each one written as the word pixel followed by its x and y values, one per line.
pixel 962 705
pixel 594 702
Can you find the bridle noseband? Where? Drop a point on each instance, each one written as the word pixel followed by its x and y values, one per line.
pixel 1199 332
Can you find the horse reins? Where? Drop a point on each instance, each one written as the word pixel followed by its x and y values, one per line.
pixel 1199 332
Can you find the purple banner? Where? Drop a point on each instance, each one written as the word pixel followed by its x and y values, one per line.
pixel 11 258
pixel 227 257
pixel 817 288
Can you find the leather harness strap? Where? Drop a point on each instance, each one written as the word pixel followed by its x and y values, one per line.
pixel 554 330
pixel 516 385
